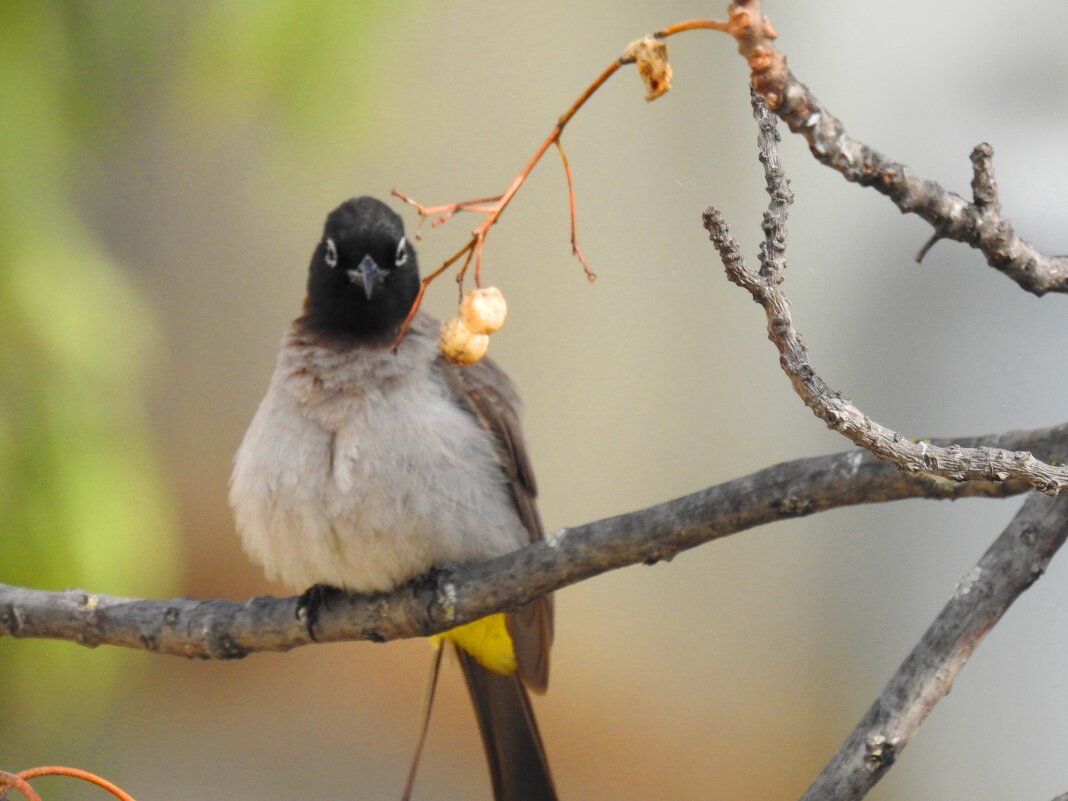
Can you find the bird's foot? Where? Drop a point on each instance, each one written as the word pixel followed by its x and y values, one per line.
pixel 312 601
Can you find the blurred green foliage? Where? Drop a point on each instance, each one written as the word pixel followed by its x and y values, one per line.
pixel 82 499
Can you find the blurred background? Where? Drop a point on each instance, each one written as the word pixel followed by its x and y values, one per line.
pixel 164 173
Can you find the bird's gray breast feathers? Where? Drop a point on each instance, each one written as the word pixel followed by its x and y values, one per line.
pixel 361 470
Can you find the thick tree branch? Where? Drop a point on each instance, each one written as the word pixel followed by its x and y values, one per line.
pixel 1013 563
pixel 952 462
pixel 978 224
pixel 218 629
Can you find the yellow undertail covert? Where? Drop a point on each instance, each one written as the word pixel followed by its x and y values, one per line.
pixel 487 640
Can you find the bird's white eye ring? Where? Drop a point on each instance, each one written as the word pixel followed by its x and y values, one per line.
pixel 402 252
pixel 331 253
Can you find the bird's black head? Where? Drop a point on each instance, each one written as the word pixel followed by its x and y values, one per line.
pixel 363 276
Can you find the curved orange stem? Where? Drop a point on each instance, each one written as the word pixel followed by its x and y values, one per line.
pixel 497 204
pixel 75 773
pixel 20 784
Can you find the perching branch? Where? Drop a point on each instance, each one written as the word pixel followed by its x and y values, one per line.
pixel 952 462
pixel 978 224
pixel 219 629
pixel 1013 563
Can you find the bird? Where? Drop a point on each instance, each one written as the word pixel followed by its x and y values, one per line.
pixel 368 465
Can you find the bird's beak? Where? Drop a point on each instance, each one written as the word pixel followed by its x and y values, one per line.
pixel 366 274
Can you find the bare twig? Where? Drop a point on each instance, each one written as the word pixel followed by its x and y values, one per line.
pixel 218 629
pixel 773 248
pixel 952 462
pixel 921 254
pixel 1013 563
pixel 14 780
pixel 978 224
pixel 76 773
pixel 443 213
pixel 493 207
pixel 575 249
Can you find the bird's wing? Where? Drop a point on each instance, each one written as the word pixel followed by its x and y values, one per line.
pixel 487 391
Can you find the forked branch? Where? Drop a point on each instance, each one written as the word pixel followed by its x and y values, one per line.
pixel 979 223
pixel 1015 561
pixel 953 462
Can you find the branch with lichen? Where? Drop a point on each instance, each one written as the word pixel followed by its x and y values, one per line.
pixel 952 462
pixel 983 595
pixel 1011 565
pixel 978 223
pixel 220 629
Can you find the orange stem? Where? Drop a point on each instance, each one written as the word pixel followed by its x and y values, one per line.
pixel 551 139
pixel 20 784
pixel 693 25
pixel 575 249
pixel 500 202
pixel 422 291
pixel 77 773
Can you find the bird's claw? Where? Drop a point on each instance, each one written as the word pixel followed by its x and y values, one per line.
pixel 311 602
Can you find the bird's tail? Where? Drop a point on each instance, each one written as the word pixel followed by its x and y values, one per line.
pixel 518 766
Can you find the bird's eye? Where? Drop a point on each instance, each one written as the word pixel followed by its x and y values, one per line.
pixel 402 252
pixel 331 253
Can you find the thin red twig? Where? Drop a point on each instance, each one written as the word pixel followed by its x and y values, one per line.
pixel 75 773
pixel 575 249
pixel 20 784
pixel 473 248
pixel 446 210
